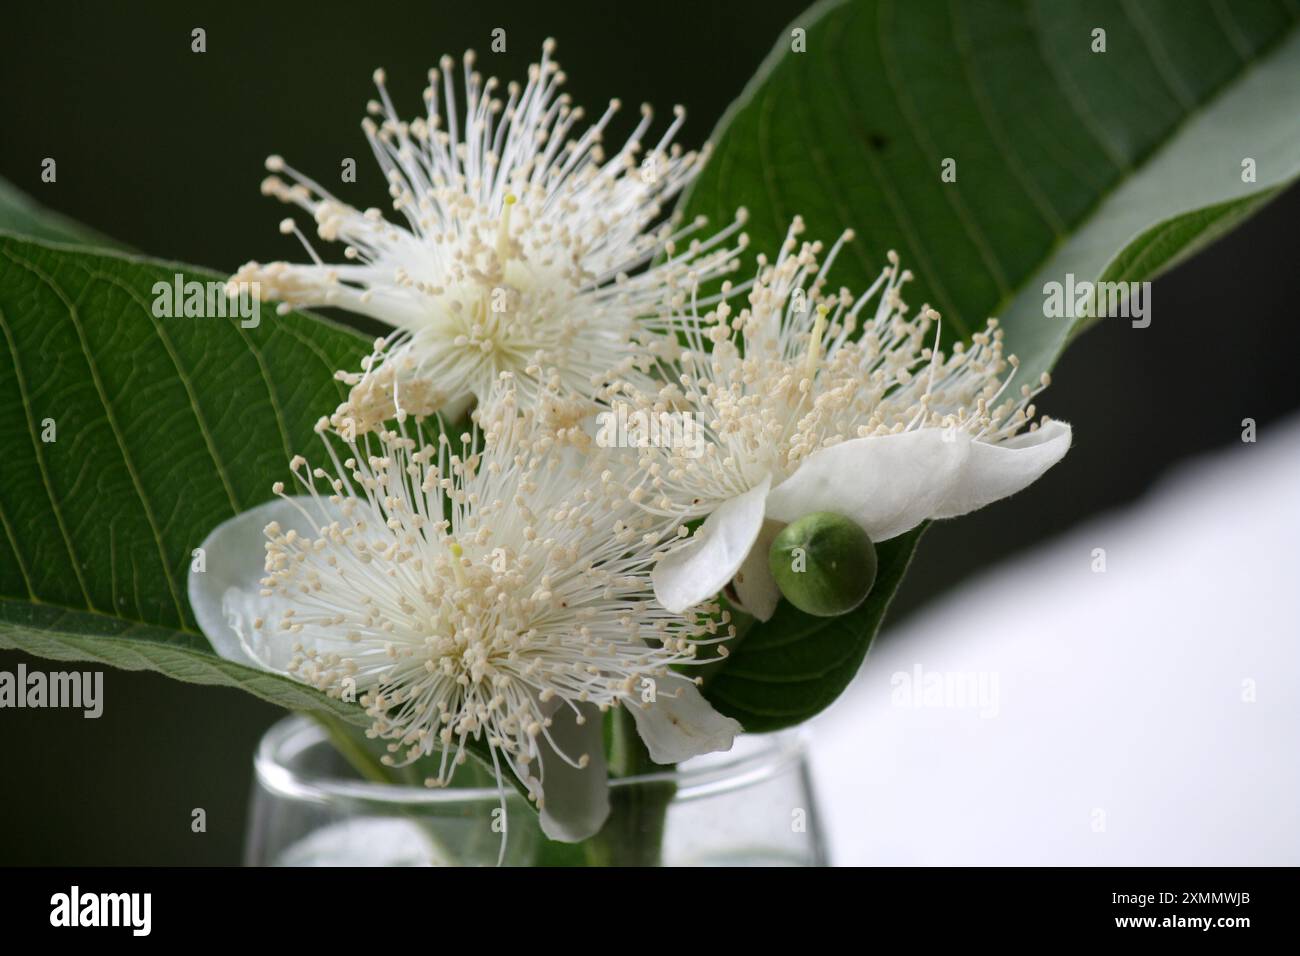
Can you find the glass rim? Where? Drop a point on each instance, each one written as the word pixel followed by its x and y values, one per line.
pixel 761 757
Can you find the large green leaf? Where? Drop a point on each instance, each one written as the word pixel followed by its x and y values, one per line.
pixel 1110 166
pixel 1064 156
pixel 163 428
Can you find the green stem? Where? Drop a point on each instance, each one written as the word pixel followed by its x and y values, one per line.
pixel 362 760
pixel 350 744
pixel 633 834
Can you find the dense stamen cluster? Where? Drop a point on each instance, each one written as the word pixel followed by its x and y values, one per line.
pixel 471 594
pixel 522 245
pixel 801 368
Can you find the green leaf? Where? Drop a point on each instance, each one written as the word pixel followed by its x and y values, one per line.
pixel 1064 157
pixel 23 216
pixel 162 428
pixel 65 635
pixel 1177 238
pixel 1111 166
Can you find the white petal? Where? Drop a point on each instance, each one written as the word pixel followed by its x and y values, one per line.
pixel 888 484
pixel 755 587
pixel 680 723
pixel 267 647
pixel 993 472
pixel 702 567
pixel 575 801
pixel 226 595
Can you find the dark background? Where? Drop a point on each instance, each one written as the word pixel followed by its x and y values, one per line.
pixel 162 149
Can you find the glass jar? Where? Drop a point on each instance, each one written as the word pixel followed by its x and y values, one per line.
pixel 751 806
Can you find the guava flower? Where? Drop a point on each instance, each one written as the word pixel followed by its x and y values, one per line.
pixel 500 593
pixel 807 401
pixel 520 245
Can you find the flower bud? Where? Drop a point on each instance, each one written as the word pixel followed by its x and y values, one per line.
pixel 823 563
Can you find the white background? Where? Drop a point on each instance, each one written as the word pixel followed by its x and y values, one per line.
pixel 1120 733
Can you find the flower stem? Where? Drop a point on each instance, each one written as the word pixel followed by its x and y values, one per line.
pixel 351 745
pixel 633 834
pixel 351 750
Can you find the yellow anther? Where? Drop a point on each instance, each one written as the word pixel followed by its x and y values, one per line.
pixel 815 342
pixel 503 231
pixel 457 569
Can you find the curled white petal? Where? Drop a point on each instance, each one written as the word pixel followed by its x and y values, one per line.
pixel 888 484
pixel 700 568
pixel 575 800
pixel 755 588
pixel 226 596
pixel 680 723
pixel 993 472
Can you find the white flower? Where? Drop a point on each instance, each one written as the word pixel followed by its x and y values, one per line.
pixel 520 246
pixel 501 596
pixel 806 401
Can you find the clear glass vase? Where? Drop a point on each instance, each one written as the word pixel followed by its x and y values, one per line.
pixel 752 806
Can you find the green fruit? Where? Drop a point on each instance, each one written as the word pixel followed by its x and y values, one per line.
pixel 823 563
